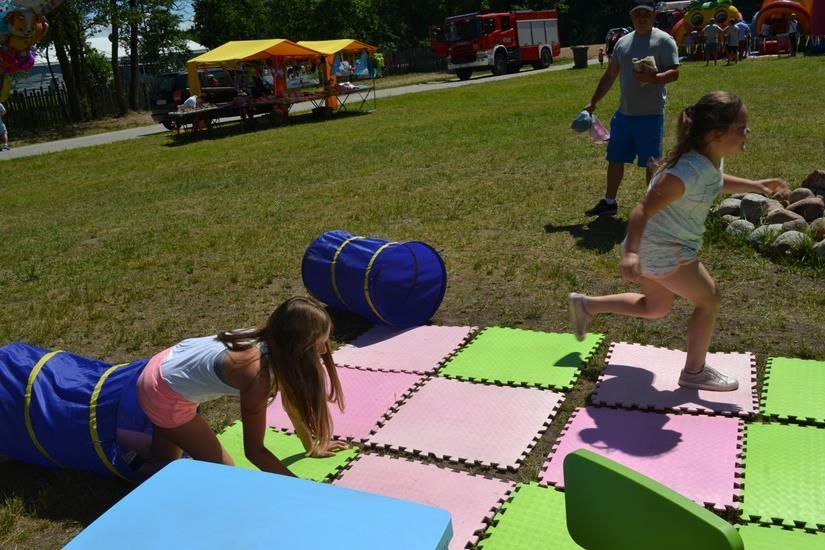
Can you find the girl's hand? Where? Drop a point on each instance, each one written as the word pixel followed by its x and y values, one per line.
pixel 328 450
pixel 773 185
pixel 631 270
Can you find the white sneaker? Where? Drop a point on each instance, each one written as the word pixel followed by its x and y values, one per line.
pixel 579 318
pixel 708 379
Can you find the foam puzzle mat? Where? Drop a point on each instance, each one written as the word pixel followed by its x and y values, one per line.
pixel 466 422
pixel 368 397
pixel 289 450
pixel 784 475
pixel 646 377
pixel 470 499
pixel 669 448
pixel 419 350
pixel 794 390
pixel 522 357
pixel 534 517
pixel 760 537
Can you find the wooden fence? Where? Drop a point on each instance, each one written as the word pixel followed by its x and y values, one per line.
pixel 49 108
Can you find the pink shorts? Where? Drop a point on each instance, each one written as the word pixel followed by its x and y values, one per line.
pixel 163 405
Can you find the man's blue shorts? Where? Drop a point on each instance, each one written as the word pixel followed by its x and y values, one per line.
pixel 635 136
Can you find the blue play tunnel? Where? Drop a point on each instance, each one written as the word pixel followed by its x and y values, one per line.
pixel 58 409
pixel 393 283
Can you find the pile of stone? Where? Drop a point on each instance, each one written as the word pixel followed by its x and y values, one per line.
pixel 782 221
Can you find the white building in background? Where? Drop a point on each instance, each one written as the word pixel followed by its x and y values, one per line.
pixel 40 77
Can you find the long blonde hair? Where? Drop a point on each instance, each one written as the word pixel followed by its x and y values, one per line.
pixel 714 111
pixel 295 368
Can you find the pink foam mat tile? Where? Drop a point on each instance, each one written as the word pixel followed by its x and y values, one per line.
pixel 419 349
pixel 698 456
pixel 369 396
pixel 467 422
pixel 646 377
pixel 471 500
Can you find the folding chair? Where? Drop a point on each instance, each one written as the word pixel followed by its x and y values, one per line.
pixel 611 506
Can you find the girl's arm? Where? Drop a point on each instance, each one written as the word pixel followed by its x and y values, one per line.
pixel 666 190
pixel 253 416
pixel 733 184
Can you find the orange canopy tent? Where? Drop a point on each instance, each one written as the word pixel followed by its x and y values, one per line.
pixel 329 48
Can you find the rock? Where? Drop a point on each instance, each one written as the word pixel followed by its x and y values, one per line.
pixel 740 228
pixel 818 229
pixel 819 249
pixel 795 225
pixel 799 193
pixel 752 207
pixel 814 181
pixel 739 196
pixel 728 219
pixel 729 207
pixel 758 235
pixel 770 205
pixel 786 242
pixel 781 216
pixel 781 196
pixel 810 208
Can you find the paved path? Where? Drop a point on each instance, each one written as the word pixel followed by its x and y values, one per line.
pixel 131 133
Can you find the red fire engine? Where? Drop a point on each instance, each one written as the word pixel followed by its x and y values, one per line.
pixel 501 42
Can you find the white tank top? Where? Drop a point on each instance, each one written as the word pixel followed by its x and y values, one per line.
pixel 191 369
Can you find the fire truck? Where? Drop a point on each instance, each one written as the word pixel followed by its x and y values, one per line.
pixel 499 41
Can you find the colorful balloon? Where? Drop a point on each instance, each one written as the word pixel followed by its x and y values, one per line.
pixel 22 25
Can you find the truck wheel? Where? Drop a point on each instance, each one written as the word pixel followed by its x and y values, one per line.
pixel 545 60
pixel 464 74
pixel 500 63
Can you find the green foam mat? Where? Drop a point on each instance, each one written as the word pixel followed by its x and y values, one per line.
pixel 534 517
pixel 784 475
pixel 522 358
pixel 794 390
pixel 289 450
pixel 759 537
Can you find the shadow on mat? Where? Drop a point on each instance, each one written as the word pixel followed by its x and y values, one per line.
pixel 601 234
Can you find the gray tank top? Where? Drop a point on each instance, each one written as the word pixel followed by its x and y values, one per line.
pixel 193 369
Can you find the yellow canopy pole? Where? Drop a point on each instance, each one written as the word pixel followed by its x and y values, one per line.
pixel 194 81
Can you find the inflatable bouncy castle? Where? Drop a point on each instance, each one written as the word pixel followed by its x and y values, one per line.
pixel 777 13
pixel 58 409
pixel 698 14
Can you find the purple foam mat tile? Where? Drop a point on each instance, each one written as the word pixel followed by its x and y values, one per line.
pixel 698 456
pixel 369 397
pixel 646 377
pixel 420 350
pixel 493 426
pixel 471 500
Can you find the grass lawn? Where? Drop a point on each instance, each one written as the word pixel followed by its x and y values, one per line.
pixel 117 251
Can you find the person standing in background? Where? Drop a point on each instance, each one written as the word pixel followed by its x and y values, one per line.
pixel 4 134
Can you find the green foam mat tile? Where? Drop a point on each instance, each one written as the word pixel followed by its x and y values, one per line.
pixel 534 517
pixel 793 390
pixel 522 358
pixel 784 479
pixel 289 450
pixel 760 537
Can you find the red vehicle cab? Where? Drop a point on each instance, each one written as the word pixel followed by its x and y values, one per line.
pixel 501 42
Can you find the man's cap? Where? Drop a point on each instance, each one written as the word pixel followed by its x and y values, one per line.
pixel 649 5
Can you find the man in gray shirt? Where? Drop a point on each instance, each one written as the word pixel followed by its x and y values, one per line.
pixel 637 127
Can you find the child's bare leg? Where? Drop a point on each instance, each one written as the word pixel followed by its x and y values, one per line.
pixel 198 440
pixel 693 282
pixel 654 302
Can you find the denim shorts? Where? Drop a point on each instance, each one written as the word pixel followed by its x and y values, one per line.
pixel 658 260
pixel 633 137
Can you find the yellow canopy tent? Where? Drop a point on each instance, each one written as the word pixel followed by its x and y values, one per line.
pixel 328 48
pixel 231 53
